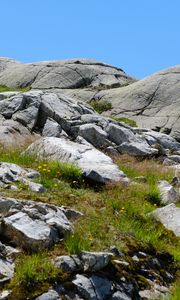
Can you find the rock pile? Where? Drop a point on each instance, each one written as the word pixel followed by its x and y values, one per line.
pixel 77 133
pixel 106 275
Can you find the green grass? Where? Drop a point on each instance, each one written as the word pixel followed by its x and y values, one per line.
pixel 100 105
pixel 127 121
pixel 4 88
pixel 34 270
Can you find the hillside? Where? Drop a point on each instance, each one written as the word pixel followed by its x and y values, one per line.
pixel 90 182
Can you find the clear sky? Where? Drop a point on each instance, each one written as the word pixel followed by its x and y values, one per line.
pixel 140 36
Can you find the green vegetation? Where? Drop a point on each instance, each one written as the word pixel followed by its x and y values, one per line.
pixel 34 270
pixel 101 105
pixel 113 215
pixel 127 121
pixel 4 88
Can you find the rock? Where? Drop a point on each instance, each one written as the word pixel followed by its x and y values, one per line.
pixel 92 288
pixel 94 135
pixel 119 134
pixel 169 216
pixel 152 102
pixel 94 164
pixel 168 193
pixel 137 149
pixel 70 264
pixel 120 296
pixel 32 225
pixel 95 261
pixel 51 128
pixel 65 74
pixel 6 270
pixel 36 187
pixel 5 294
pixel 153 295
pixel 50 295
pixel 13 173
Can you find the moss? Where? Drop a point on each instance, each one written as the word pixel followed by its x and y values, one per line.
pixel 4 88
pixel 127 121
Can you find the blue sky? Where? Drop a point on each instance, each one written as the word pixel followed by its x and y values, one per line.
pixel 139 36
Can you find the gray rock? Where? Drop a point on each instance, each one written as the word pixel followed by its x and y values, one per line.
pixel 119 134
pixel 33 225
pixel 92 288
pixel 66 74
pixel 94 164
pixel 50 295
pixel 137 149
pixel 6 270
pixel 51 128
pixel 120 296
pixel 70 264
pixel 12 173
pixel 169 216
pixel 168 193
pixel 152 102
pixel 95 261
pixel 94 135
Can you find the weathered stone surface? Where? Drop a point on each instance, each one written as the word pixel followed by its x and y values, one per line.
pixel 152 102
pixel 137 148
pixel 50 295
pixel 168 193
pixel 169 216
pixel 51 128
pixel 65 74
pixel 92 288
pixel 94 164
pixel 10 173
pixel 95 261
pixel 94 135
pixel 120 296
pixel 70 264
pixel 32 225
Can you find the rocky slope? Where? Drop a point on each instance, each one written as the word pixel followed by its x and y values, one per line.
pixel 57 125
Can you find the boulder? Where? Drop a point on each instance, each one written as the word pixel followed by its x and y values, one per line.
pixel 94 135
pixel 94 164
pixel 169 216
pixel 32 225
pixel 168 193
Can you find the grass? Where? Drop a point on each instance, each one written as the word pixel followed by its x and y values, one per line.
pixel 113 215
pixel 101 105
pixel 127 121
pixel 4 88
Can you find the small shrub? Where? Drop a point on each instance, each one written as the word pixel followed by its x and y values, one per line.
pixel 101 106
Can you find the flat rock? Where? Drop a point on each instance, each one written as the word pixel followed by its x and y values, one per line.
pixel 94 164
pixel 169 216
